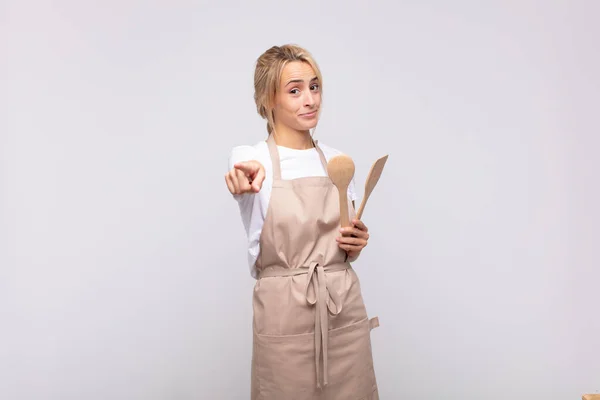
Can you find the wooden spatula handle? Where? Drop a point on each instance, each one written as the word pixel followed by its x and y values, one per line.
pixel 361 208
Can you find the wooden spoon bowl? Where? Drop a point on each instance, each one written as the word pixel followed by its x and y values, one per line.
pixel 341 171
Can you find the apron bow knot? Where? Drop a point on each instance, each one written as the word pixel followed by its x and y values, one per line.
pixel 319 295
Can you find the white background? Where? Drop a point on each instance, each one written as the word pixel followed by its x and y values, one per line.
pixel 123 268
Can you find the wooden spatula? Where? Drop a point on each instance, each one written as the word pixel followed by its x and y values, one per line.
pixel 372 179
pixel 341 171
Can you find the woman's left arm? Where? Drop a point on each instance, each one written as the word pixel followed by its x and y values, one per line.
pixel 354 238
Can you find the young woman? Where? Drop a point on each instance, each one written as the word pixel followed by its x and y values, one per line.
pixel 311 329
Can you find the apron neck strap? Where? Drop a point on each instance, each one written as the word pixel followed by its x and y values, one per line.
pixel 321 155
pixel 275 160
pixel 274 157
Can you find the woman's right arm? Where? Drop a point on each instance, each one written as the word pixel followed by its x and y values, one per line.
pixel 241 156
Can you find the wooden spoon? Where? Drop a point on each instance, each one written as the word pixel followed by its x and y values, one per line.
pixel 341 171
pixel 372 179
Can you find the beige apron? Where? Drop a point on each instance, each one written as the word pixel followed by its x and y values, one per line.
pixel 311 329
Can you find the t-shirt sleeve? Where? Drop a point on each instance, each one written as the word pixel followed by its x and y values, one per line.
pixel 241 154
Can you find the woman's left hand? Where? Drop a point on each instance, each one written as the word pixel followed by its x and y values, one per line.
pixel 354 238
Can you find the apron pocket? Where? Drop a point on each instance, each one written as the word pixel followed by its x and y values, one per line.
pixel 351 372
pixel 285 365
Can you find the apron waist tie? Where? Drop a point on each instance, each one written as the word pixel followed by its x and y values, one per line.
pixel 317 294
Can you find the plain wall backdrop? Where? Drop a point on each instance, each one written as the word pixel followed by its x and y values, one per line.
pixel 123 270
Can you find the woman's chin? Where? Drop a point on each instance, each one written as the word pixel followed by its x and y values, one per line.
pixel 306 125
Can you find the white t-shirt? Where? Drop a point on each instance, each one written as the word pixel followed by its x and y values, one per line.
pixel 294 164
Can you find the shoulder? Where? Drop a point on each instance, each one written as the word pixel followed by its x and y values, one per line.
pixel 258 151
pixel 329 151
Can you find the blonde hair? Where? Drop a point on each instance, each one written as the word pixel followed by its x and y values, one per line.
pixel 267 77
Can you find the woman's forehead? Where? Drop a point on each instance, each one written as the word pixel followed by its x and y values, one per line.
pixel 297 71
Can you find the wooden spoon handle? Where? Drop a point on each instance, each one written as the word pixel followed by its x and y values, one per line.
pixel 344 218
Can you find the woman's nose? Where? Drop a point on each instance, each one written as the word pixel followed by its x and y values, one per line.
pixel 309 99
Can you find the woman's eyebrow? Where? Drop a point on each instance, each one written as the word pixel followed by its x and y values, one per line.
pixel 300 81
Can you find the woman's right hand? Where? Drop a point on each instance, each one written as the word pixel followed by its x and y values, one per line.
pixel 245 177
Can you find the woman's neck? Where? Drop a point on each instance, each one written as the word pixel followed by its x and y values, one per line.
pixel 291 138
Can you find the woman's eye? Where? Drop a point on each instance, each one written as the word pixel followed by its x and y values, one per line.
pixel 314 87
pixel 294 91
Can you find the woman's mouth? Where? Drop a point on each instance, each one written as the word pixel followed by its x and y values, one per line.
pixel 309 115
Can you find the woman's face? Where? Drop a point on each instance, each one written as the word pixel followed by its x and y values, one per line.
pixel 299 97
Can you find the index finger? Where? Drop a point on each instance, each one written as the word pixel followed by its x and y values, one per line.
pixel 246 168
